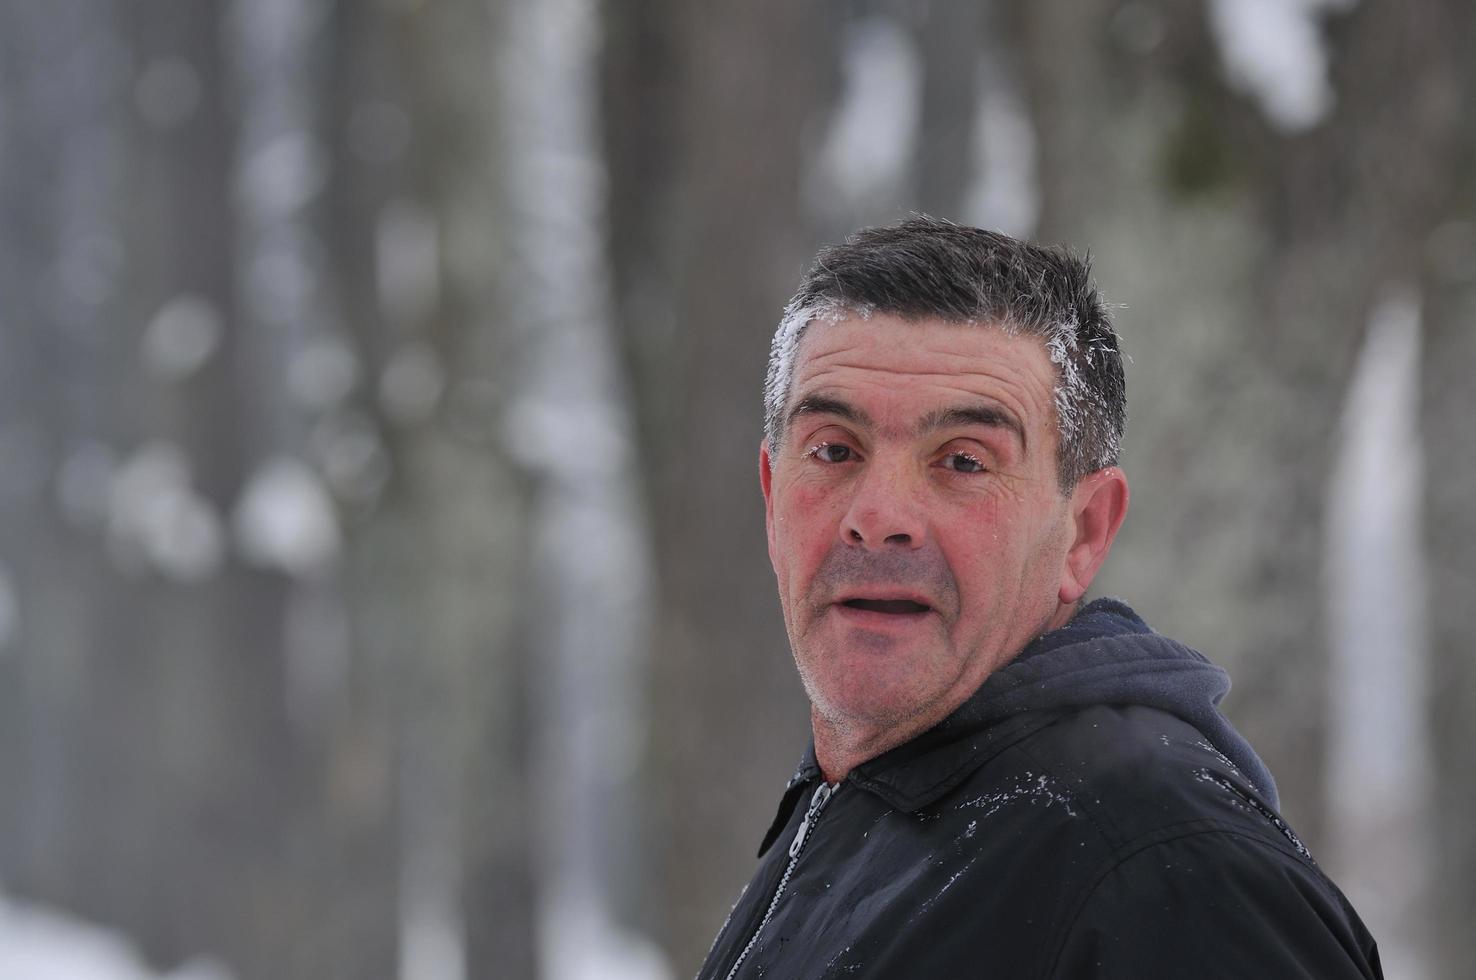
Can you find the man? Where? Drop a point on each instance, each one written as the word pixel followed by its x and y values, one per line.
pixel 1002 783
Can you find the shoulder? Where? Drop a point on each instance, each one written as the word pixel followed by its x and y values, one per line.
pixel 1140 773
pixel 1213 903
pixel 1194 870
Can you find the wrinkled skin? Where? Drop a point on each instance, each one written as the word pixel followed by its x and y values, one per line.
pixel 915 522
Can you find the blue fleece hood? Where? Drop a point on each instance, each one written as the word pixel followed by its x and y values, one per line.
pixel 1105 655
pixel 1108 655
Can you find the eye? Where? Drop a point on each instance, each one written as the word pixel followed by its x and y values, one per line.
pixel 963 463
pixel 829 452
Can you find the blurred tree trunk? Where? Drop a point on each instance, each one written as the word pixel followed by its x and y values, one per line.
pixel 1188 190
pixel 708 239
pixel 1448 408
pixel 440 574
pixel 951 45
pixel 1195 190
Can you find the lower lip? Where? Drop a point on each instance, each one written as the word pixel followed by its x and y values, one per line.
pixel 871 619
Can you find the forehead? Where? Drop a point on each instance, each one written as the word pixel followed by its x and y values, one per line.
pixel 920 365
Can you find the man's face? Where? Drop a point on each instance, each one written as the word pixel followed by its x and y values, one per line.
pixel 914 518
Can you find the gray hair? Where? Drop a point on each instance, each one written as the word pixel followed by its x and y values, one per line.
pixel 926 268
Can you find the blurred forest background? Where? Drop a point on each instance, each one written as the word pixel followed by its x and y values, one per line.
pixel 383 590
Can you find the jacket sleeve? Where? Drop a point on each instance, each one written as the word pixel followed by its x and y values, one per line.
pixel 1216 905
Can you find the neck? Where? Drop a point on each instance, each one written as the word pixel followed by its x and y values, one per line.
pixel 841 747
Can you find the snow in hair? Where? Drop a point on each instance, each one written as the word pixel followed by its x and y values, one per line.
pixel 797 316
pixel 1076 402
pixel 927 268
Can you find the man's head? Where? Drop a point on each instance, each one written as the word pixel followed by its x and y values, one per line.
pixel 925 268
pixel 943 414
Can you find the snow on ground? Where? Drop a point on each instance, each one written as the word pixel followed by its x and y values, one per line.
pixel 37 943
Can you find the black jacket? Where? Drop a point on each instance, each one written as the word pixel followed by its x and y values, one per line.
pixel 1087 813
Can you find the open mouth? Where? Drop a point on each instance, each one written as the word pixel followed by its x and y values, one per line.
pixel 892 607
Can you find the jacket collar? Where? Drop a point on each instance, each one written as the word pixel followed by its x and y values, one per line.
pixel 919 772
pixel 1060 669
pixel 1105 655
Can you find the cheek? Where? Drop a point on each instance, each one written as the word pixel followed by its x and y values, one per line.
pixel 986 515
pixel 803 514
pixel 993 547
pixel 807 498
pixel 976 527
pixel 803 532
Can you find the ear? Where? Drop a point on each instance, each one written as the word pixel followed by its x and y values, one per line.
pixel 766 482
pixel 1098 505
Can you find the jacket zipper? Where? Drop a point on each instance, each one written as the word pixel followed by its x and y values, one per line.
pixel 823 792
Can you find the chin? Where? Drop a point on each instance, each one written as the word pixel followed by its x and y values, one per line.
pixel 868 680
pixel 874 703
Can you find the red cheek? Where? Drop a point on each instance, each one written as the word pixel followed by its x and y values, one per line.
pixel 984 513
pixel 807 519
pixel 808 503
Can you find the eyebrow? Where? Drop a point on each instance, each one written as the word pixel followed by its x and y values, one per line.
pixel 825 405
pixel 988 416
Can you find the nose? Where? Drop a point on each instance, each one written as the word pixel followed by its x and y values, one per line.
pixel 885 512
